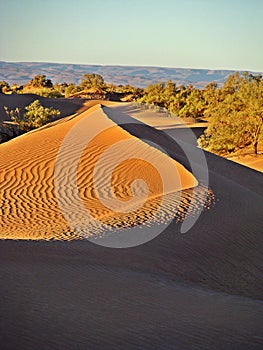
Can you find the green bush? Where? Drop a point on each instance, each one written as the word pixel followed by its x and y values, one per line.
pixel 235 116
pixel 35 116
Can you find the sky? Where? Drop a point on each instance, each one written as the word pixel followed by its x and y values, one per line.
pixel 212 34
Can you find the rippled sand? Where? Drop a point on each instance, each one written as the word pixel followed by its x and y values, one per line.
pixel 51 187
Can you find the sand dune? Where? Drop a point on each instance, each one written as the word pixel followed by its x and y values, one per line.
pixel 68 295
pixel 29 200
pixel 200 290
pixel 178 128
pixel 66 106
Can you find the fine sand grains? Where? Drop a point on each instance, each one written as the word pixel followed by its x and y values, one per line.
pixel 111 178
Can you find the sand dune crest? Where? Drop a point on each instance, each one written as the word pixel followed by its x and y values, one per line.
pixel 120 180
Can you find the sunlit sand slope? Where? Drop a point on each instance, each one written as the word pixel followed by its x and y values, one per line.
pixel 88 166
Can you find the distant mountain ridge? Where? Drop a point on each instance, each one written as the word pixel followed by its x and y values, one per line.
pixel 22 72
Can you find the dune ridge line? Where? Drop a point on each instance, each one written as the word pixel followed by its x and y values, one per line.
pixel 29 205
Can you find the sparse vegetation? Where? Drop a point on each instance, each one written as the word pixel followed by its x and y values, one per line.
pixel 235 115
pixel 35 116
pixel 234 111
pixel 182 101
pixel 92 81
pixel 40 81
pixel 4 87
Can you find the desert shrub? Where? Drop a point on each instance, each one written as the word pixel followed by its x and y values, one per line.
pixel 180 101
pixel 40 81
pixel 193 105
pixel 72 89
pixel 51 93
pixel 35 116
pixel 4 86
pixel 153 95
pixel 92 81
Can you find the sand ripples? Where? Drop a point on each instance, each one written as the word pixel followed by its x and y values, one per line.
pixel 31 209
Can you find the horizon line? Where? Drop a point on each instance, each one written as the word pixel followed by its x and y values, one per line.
pixel 137 65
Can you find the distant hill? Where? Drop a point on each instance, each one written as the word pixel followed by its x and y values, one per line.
pixel 22 72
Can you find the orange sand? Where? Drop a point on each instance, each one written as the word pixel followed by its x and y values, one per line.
pixel 249 159
pixel 28 197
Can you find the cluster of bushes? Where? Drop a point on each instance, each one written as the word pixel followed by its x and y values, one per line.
pixel 90 85
pixel 234 111
pixel 235 115
pixel 34 116
pixel 183 101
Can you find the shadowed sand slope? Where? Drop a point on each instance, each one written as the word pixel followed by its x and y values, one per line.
pixel 66 106
pixel 199 290
pixel 41 170
pixel 55 297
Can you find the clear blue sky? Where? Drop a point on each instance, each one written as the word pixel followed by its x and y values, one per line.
pixel 211 34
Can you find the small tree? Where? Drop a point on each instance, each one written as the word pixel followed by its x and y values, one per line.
pixel 153 94
pixel 92 81
pixel 168 93
pixel 35 116
pixel 40 81
pixel 236 119
pixel 194 105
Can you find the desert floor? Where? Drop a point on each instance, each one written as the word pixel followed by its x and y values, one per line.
pixel 196 290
